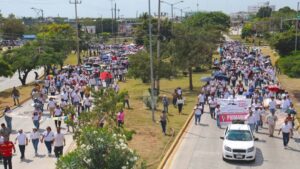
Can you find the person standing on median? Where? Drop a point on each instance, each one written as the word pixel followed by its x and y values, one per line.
pixel 15 95
pixel 165 103
pixel 23 142
pixel 163 122
pixel 48 137
pixel 59 143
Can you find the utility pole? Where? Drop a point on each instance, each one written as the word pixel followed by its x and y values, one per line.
pixel 116 23
pixel 151 61
pixel 197 5
pixel 158 45
pixel 297 24
pixel 112 18
pixel 75 2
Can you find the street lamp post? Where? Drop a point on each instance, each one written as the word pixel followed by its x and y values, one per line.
pixel 297 23
pixel 172 6
pixel 75 2
pixel 151 61
pixel 181 11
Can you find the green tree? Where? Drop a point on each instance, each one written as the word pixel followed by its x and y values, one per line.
pixel 247 30
pixel 194 47
pixel 5 69
pixel 12 28
pixel 23 60
pixel 284 42
pixel 264 12
pixel 141 31
pixel 99 147
pixel 218 20
pixel 59 37
pixel 140 67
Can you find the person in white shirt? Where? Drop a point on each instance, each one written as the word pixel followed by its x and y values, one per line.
pixel 23 141
pixel 217 114
pixel 179 103
pixel 251 120
pixel 285 104
pixel 257 115
pixel 34 137
pixel 87 103
pixel 272 105
pixel 59 143
pixel 48 137
pixel 198 113
pixel 286 130
pixel 57 113
pixel 271 121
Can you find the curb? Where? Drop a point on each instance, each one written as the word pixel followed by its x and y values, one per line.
pixel 175 143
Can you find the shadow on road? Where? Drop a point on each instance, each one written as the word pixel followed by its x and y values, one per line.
pixel 258 161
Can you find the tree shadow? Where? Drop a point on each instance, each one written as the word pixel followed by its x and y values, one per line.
pixel 293 149
pixel 26 160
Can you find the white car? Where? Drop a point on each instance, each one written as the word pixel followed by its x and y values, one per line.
pixel 238 143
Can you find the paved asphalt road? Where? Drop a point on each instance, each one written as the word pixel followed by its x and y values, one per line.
pixel 22 120
pixel 201 148
pixel 6 83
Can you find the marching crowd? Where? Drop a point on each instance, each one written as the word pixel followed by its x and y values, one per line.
pixel 65 88
pixel 244 72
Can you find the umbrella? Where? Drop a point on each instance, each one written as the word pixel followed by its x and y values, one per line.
pixel 206 79
pixel 273 88
pixel 291 111
pixel 105 75
pixel 221 77
pixel 256 69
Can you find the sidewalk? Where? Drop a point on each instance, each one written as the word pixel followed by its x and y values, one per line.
pixel 22 120
pixel 7 83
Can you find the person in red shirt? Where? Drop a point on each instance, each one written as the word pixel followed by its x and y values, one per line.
pixel 6 152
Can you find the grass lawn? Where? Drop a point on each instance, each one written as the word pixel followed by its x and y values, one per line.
pixel 6 99
pixel 149 141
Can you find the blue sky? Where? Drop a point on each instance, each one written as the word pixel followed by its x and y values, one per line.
pixel 128 8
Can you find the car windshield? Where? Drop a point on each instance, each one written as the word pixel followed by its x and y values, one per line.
pixel 239 135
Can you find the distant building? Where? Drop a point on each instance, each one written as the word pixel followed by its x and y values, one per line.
pixel 255 8
pixel 89 29
pixel 126 26
pixel 239 18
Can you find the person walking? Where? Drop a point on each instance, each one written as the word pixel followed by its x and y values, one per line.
pixel 120 118
pixel 165 102
pixel 126 101
pixel 197 112
pixel 87 103
pixel 34 137
pixel 51 106
pixel 217 114
pixel 5 132
pixel 6 153
pixel 174 96
pixel 212 106
pixel 57 115
pixel 23 142
pixel 286 130
pixel 8 116
pixel 15 95
pixel 48 137
pixel 272 105
pixel 163 122
pixel 36 117
pixel 251 120
pixel 59 143
pixel 179 104
pixel 271 121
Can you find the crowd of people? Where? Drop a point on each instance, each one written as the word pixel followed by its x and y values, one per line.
pixel 60 90
pixel 244 72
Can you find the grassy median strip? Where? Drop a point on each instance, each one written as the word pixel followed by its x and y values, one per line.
pixel 149 141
